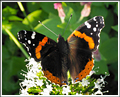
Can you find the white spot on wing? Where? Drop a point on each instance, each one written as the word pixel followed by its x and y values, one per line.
pixel 87 24
pixel 24 44
pixel 33 35
pixel 25 31
pixel 94 29
pixel 96 25
pixel 94 18
pixel 97 46
pixel 27 48
pixel 29 42
pixel 98 34
pixel 19 38
pixel 29 53
pixel 91 33
pixel 33 44
pixel 100 30
pixel 103 22
pixel 98 40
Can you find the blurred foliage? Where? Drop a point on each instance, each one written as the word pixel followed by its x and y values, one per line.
pixel 14 20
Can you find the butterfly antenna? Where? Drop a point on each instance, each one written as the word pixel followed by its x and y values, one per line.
pixel 67 23
pixel 47 28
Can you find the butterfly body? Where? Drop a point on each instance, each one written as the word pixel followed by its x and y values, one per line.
pixel 74 54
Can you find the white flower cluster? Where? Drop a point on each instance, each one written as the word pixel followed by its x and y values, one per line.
pixel 32 80
pixel 47 90
pixel 99 84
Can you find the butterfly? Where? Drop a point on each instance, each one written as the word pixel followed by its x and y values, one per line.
pixel 74 54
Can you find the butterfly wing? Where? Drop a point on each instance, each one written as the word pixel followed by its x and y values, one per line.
pixel 82 42
pixel 43 49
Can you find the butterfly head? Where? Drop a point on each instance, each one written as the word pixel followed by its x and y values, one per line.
pixel 60 38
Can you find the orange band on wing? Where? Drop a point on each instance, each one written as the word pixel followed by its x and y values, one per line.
pixel 41 43
pixel 86 38
pixel 86 71
pixel 38 55
pixel 45 39
pixel 39 47
pixel 52 78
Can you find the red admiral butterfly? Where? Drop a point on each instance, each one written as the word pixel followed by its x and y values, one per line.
pixel 74 55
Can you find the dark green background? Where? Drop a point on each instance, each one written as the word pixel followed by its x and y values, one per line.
pixel 14 20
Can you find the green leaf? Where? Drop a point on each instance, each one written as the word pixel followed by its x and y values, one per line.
pixel 115 28
pixel 12 48
pixel 48 7
pixel 13 66
pixel 14 18
pixel 34 17
pixel 68 27
pixel 116 9
pixel 34 90
pixel 102 67
pixel 98 11
pixel 15 27
pixel 103 37
pixel 109 3
pixel 76 7
pixel 97 3
pixel 114 69
pixel 51 15
pixel 63 25
pixel 109 21
pixel 68 11
pixel 67 31
pixel 109 49
pixel 52 25
pixel 8 11
pixel 11 69
pixel 17 64
pixel 32 6
pixel 5 53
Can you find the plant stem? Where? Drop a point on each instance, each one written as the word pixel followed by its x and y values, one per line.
pixel 16 41
pixel 23 10
pixel 80 19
